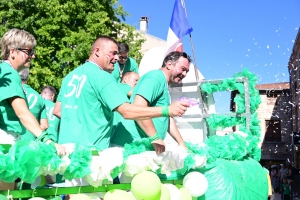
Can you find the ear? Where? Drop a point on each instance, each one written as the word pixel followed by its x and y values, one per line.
pixel 169 65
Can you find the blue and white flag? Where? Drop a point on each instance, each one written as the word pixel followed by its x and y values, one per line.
pixel 179 27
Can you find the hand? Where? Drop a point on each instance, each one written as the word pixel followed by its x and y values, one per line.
pixel 181 144
pixel 159 146
pixel 61 150
pixel 178 108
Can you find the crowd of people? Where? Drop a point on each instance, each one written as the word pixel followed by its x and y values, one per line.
pixel 95 100
pixel 284 179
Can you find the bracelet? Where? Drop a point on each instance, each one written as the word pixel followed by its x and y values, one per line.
pixel 153 138
pixel 165 111
pixel 46 138
pixel 41 137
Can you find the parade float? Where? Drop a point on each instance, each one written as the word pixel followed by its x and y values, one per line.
pixel 212 167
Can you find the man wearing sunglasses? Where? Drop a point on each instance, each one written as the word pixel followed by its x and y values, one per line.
pixel 124 63
pixel 152 90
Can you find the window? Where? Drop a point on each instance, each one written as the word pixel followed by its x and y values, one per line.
pixel 273 131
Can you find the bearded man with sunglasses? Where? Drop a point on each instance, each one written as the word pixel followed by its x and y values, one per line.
pixel 124 63
pixel 152 90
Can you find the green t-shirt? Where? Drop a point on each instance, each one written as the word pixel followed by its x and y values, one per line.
pixel 130 65
pixel 154 88
pixel 286 188
pixel 53 121
pixel 88 96
pixel 10 86
pixel 36 105
pixel 125 88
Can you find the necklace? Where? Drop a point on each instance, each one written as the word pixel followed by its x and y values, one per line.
pixel 121 71
pixel 94 63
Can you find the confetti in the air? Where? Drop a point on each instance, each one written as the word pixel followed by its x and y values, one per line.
pixel 268 47
pixel 231 40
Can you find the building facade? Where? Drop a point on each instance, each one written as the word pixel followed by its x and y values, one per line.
pixel 294 71
pixel 275 115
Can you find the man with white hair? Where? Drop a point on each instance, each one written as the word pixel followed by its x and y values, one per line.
pixel 36 105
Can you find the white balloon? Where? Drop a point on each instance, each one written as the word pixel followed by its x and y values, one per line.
pixel 37 198
pixel 174 192
pixel 196 183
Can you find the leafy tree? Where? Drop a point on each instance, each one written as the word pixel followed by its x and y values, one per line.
pixel 65 30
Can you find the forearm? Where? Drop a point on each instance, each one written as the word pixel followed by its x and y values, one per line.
pixel 147 126
pixel 57 109
pixel 136 112
pixel 26 118
pixel 174 132
pixel 30 123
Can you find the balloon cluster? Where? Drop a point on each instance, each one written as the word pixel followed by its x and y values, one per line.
pixel 147 186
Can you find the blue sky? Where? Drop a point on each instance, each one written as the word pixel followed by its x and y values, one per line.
pixel 230 35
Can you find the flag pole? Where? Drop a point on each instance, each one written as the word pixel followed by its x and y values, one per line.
pixel 193 51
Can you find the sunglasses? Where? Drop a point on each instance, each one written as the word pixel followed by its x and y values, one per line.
pixel 123 57
pixel 29 52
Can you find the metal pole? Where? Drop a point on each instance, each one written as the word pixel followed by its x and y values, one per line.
pixel 194 56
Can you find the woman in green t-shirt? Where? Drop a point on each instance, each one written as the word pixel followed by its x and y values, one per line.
pixel 17 52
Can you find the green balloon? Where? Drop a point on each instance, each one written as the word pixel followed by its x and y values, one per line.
pixel 185 194
pixel 118 194
pixel 2 197
pixel 146 185
pixel 165 193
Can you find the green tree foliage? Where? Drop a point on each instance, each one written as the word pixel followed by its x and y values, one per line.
pixel 65 30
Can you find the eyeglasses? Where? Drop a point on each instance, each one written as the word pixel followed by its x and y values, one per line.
pixel 29 52
pixel 123 57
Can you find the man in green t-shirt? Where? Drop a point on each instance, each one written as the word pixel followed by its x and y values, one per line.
pixel 128 82
pixel 124 64
pixel 48 93
pixel 36 105
pixel 89 95
pixel 152 90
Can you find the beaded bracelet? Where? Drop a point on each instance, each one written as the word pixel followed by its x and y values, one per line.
pixel 165 111
pixel 153 138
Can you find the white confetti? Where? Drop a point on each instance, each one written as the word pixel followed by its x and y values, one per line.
pixel 283 74
pixel 268 47
pixel 249 49
pixel 231 40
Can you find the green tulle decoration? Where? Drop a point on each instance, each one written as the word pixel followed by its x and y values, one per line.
pixel 79 166
pixel 235 148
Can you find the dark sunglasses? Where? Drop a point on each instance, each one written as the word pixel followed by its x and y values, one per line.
pixel 123 57
pixel 29 52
